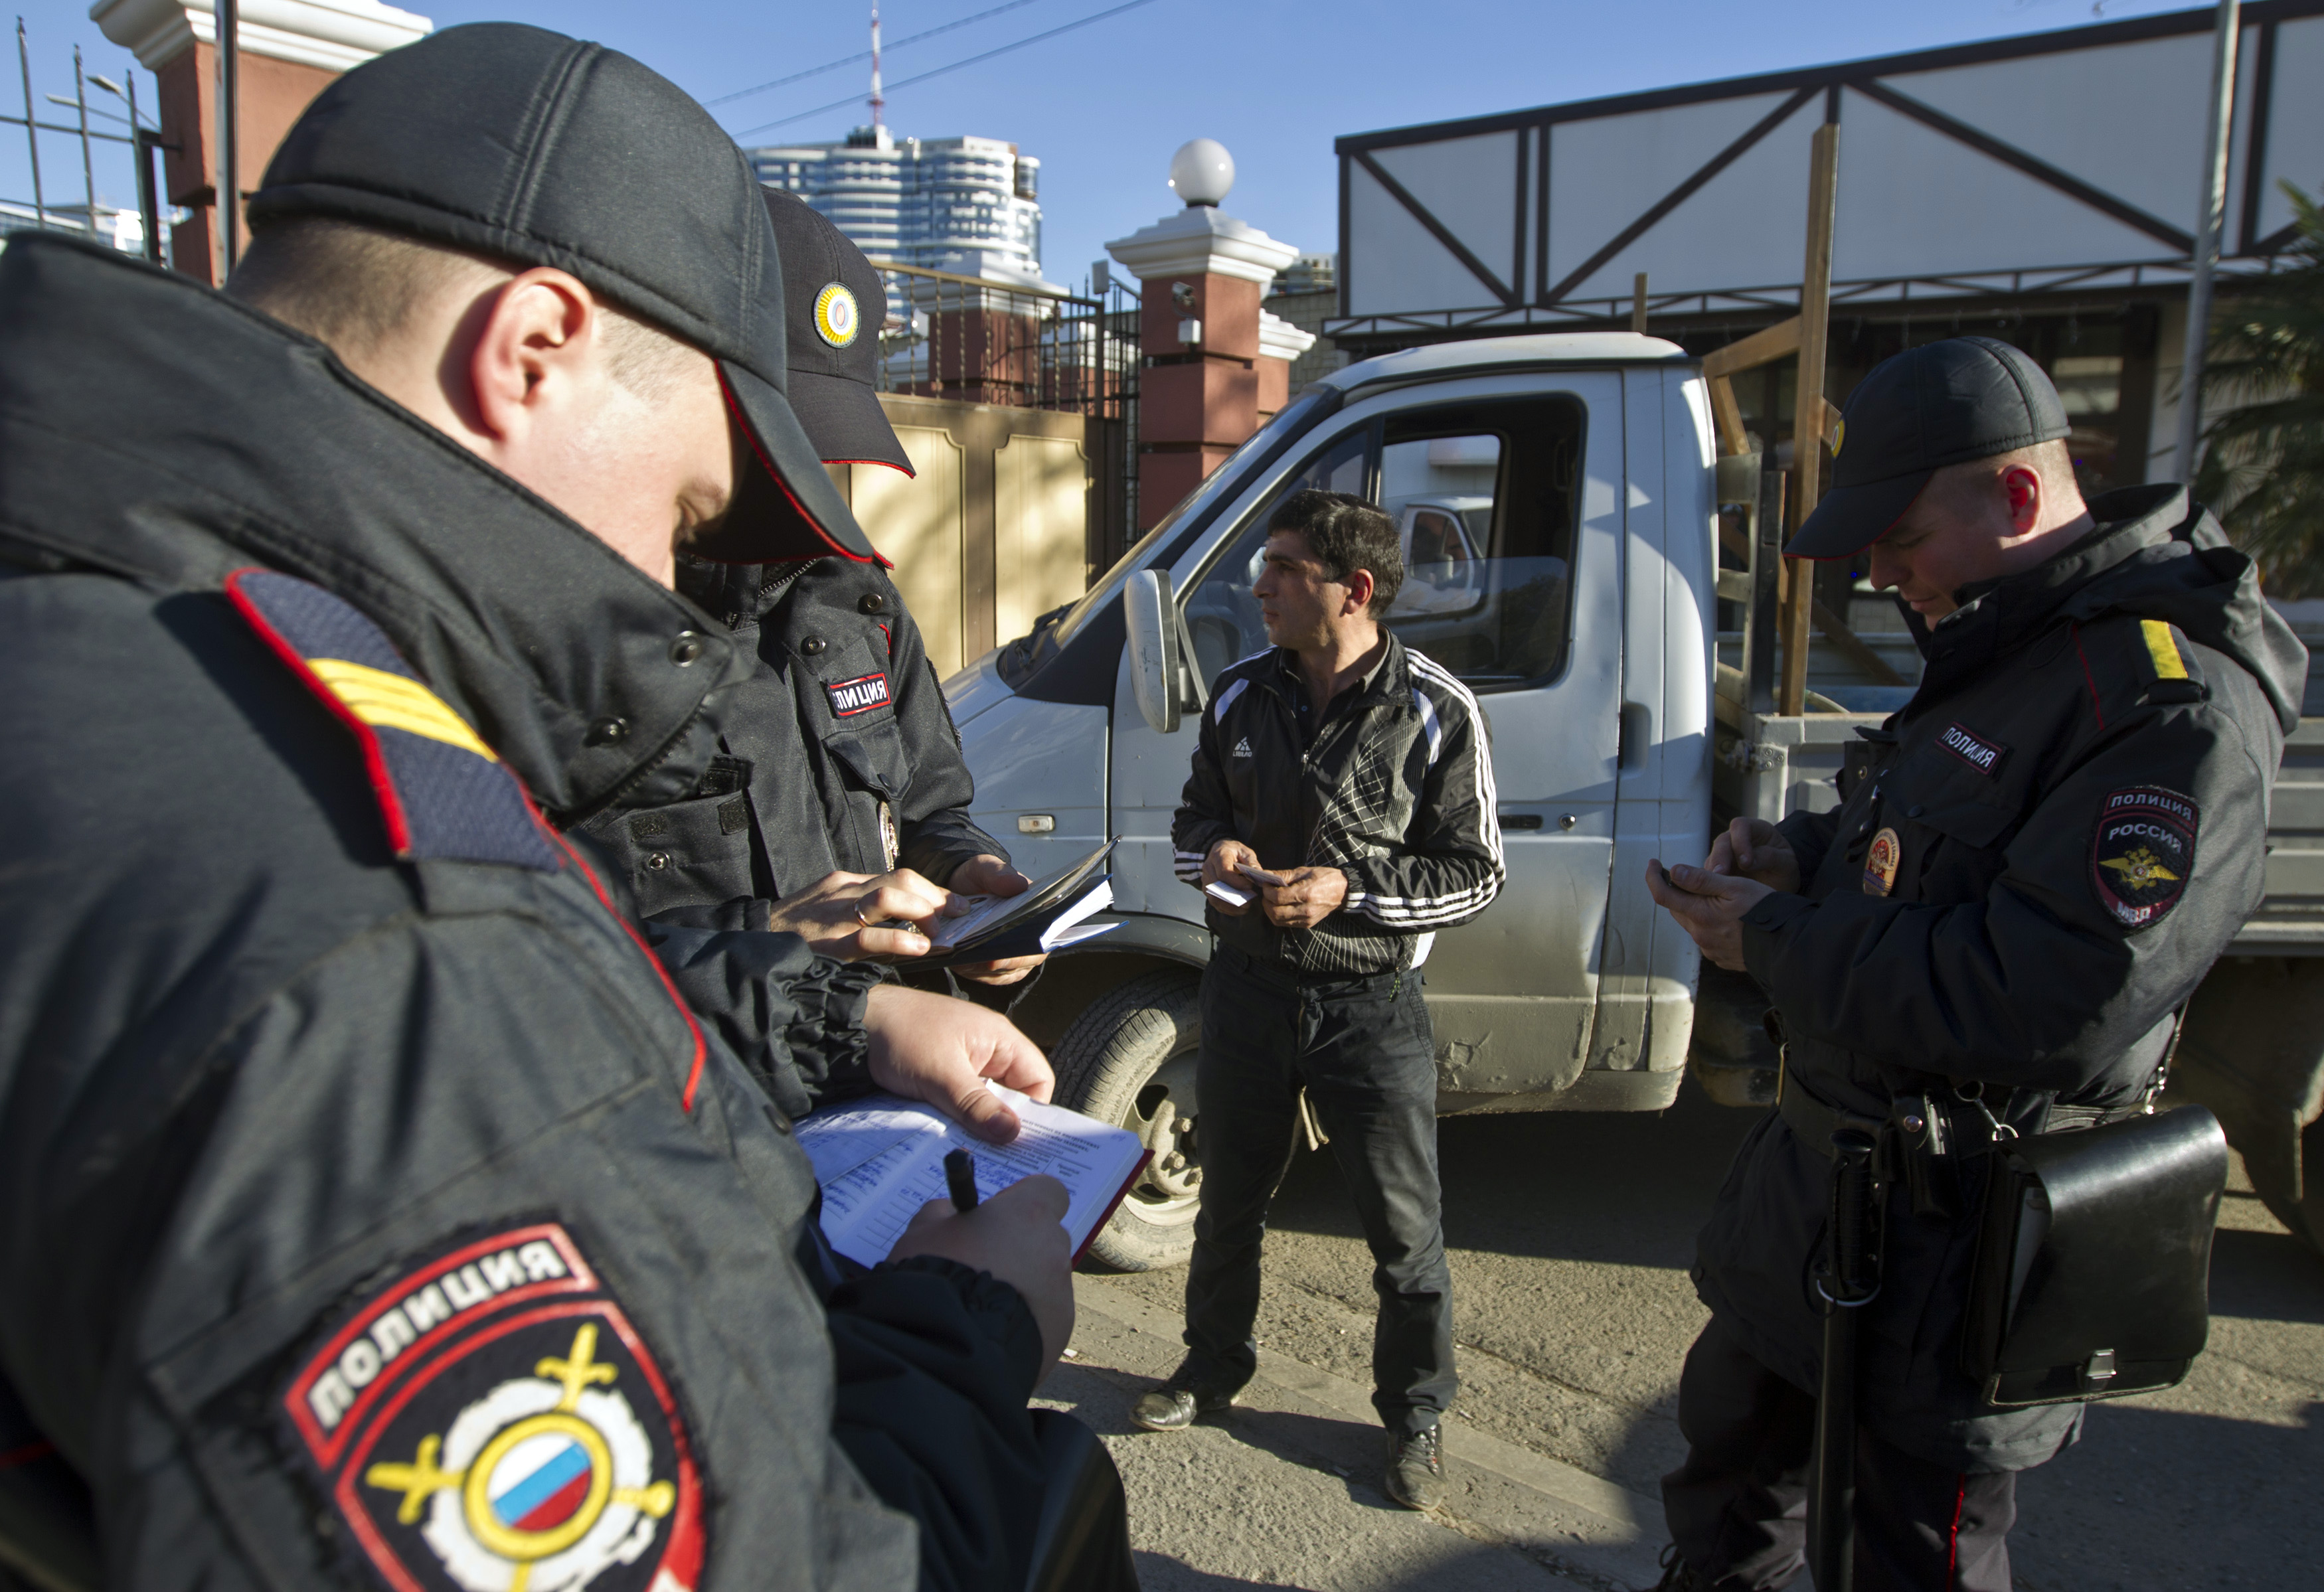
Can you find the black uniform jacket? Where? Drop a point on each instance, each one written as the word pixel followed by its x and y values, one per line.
pixel 1396 792
pixel 836 751
pixel 364 1212
pixel 2051 844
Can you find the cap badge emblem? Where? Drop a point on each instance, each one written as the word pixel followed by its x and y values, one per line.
pixel 837 319
pixel 1838 434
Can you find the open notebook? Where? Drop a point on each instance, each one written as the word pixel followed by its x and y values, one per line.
pixel 881 1158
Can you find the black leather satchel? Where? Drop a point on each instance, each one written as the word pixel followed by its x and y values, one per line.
pixel 2092 1277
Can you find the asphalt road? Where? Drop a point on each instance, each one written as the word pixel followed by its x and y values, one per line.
pixel 1571 1236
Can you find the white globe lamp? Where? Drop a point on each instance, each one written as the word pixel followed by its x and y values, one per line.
pixel 1202 171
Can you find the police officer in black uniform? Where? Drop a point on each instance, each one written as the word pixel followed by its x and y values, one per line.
pixel 838 796
pixel 374 1210
pixel 2027 876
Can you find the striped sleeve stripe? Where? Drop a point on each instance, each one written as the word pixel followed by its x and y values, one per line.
pixel 1422 920
pixel 1488 793
pixel 1225 700
pixel 1429 724
pixel 1419 920
pixel 1373 907
pixel 1443 909
pixel 1426 901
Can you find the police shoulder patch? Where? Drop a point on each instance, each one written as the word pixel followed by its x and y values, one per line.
pixel 2143 853
pixel 441 790
pixel 489 1421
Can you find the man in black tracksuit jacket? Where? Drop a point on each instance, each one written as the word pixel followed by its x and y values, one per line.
pixel 374 1207
pixel 1368 801
pixel 2030 871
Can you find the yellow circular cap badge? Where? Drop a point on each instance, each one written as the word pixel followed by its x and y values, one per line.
pixel 836 319
pixel 1839 436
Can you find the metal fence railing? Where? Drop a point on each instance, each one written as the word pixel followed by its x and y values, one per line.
pixel 141 230
pixel 974 340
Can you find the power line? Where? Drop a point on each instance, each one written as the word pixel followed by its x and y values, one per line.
pixel 940 71
pixel 849 60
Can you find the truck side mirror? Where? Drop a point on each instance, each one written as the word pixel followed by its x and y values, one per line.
pixel 1151 617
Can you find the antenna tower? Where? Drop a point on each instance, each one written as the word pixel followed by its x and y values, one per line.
pixel 879 101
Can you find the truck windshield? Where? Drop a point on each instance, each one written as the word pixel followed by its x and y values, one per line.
pixel 1484 496
pixel 1220 484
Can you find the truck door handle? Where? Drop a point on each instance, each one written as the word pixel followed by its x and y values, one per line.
pixel 1634 734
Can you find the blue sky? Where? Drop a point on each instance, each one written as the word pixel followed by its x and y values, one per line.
pixel 1104 105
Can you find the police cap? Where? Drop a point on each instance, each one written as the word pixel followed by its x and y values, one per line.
pixel 835 307
pixel 1944 403
pixel 525 146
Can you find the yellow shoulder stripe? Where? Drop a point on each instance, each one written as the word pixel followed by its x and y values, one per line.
pixel 2163 649
pixel 395 703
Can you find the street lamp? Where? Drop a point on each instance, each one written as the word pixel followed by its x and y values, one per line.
pixel 146 140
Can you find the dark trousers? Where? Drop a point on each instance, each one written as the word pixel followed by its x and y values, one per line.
pixel 1363 1049
pixel 1738 1508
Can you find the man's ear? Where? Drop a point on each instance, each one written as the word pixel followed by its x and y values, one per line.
pixel 2021 485
pixel 531 338
pixel 1360 587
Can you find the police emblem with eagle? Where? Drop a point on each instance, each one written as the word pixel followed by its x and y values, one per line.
pixel 2142 853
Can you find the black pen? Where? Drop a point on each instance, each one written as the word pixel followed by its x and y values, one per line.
pixel 960 1176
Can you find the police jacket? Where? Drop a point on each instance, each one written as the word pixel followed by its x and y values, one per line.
pixel 1396 792
pixel 836 751
pixel 373 1210
pixel 2036 864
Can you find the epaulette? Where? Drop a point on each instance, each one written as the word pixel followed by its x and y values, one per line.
pixel 441 790
pixel 2133 662
pixel 2172 672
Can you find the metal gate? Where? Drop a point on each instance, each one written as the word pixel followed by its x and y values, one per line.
pixel 975 341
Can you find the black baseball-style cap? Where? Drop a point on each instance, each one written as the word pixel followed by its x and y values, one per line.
pixel 525 146
pixel 1945 403
pixel 834 306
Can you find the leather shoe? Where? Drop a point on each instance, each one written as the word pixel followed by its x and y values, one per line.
pixel 1415 1467
pixel 1678 1575
pixel 1175 1404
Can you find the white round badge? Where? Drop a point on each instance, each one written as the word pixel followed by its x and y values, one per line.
pixel 836 319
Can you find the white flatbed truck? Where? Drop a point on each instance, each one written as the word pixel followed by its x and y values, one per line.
pixel 1587 608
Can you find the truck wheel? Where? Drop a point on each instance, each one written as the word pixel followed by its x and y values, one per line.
pixel 2254 1053
pixel 1130 1060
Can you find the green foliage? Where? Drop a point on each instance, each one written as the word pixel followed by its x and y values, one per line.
pixel 2263 379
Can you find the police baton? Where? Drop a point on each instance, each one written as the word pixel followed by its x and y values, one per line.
pixel 1849 1280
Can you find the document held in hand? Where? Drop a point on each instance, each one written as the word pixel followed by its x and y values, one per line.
pixel 881 1158
pixel 1049 916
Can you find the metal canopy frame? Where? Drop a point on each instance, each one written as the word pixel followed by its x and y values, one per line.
pixel 1549 307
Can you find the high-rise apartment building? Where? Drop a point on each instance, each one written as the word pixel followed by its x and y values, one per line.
pixel 966 204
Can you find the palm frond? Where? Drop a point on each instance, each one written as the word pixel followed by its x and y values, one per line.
pixel 2263 467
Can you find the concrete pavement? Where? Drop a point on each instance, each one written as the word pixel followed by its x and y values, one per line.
pixel 1570 1238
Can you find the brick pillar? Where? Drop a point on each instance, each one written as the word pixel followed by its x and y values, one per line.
pixel 1200 276
pixel 285 62
pixel 983 355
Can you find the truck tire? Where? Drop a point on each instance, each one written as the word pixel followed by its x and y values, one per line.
pixel 1130 1060
pixel 2254 1053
